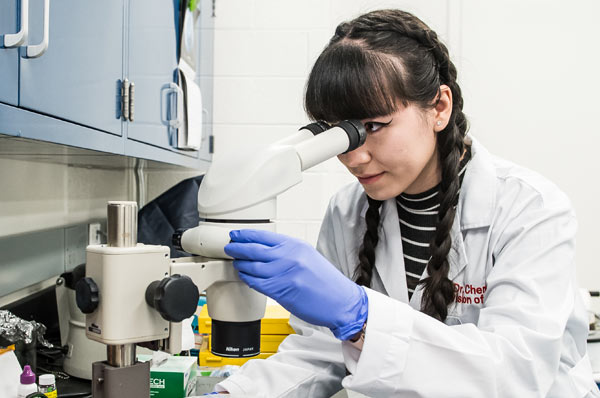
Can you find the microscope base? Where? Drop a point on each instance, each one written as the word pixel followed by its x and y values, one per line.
pixel 127 382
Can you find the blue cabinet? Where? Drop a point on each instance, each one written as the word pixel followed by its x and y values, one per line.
pixel 152 55
pixel 93 48
pixel 76 78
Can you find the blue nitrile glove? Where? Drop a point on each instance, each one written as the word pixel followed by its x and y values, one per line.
pixel 299 278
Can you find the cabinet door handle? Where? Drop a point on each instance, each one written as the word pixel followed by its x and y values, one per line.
pixel 37 50
pixel 125 99
pixel 176 123
pixel 131 101
pixel 17 39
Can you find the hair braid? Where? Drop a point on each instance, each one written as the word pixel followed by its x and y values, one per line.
pixel 366 256
pixel 438 292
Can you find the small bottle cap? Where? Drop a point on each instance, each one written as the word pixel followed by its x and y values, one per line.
pixel 46 380
pixel 27 377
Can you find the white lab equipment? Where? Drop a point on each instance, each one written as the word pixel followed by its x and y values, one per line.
pixel 134 293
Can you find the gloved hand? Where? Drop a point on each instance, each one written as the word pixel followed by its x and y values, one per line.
pixel 299 278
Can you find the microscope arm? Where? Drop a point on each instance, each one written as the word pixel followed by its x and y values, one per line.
pixel 203 271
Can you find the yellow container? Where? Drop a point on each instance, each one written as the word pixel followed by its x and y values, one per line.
pixel 206 358
pixel 276 321
pixel 270 342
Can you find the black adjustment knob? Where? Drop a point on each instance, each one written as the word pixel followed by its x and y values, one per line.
pixel 175 297
pixel 86 295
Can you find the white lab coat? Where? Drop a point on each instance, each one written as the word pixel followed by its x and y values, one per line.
pixel 517 329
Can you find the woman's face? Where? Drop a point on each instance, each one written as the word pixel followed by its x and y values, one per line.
pixel 399 154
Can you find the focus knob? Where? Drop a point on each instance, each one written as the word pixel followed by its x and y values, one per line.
pixel 175 297
pixel 86 295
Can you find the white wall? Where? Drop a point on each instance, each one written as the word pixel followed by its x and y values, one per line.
pixel 37 195
pixel 526 67
pixel 529 74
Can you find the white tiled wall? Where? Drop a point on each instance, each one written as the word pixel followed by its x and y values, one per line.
pixel 262 56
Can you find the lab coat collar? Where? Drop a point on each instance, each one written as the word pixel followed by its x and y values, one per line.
pixel 389 257
pixel 476 203
pixel 478 192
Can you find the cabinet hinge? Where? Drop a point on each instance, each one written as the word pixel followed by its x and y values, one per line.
pixel 211 144
pixel 127 100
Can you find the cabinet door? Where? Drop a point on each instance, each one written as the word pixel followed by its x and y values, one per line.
pixel 77 78
pixel 9 57
pixel 152 61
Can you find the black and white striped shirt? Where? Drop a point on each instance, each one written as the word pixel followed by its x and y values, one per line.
pixel 418 214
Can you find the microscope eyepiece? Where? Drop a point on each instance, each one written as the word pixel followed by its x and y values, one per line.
pixel 356 133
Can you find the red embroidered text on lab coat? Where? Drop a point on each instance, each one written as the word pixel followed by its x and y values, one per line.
pixel 469 294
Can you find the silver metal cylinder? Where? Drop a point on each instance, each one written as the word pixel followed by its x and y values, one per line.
pixel 120 356
pixel 122 224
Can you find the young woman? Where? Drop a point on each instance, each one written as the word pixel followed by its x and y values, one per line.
pixel 443 271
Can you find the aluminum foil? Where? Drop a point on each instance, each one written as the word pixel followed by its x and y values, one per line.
pixel 15 329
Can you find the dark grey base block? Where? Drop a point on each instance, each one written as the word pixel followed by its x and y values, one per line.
pixel 128 382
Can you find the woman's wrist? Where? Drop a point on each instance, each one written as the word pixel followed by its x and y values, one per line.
pixel 360 335
pixel 358 339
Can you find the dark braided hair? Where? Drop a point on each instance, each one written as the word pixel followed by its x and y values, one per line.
pixel 366 255
pixel 372 65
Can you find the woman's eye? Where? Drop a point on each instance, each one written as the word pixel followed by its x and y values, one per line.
pixel 372 127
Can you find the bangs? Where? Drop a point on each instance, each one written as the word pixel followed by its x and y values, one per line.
pixel 351 82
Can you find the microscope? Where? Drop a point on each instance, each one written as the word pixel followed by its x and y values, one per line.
pixel 136 294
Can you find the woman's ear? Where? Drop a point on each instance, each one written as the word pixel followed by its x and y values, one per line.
pixel 442 109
